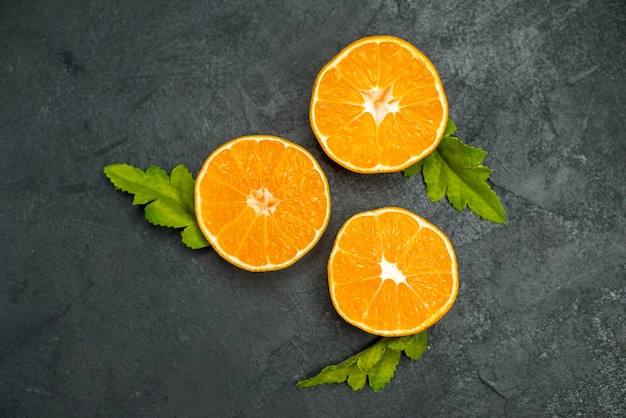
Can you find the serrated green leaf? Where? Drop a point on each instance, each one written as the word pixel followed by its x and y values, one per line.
pixel 377 363
pixel 183 181
pixel 169 199
pixel 169 214
pixel 417 346
pixel 383 371
pixel 454 170
pixel 337 373
pixel 357 378
pixel 399 343
pixel 192 237
pixel 368 358
pixel 155 185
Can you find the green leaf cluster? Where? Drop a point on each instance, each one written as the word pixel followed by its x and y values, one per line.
pixel 375 365
pixel 169 199
pixel 454 170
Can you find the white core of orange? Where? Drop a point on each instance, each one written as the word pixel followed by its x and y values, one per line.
pixel 262 201
pixel 379 103
pixel 390 271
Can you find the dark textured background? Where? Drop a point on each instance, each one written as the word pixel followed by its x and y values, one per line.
pixel 102 314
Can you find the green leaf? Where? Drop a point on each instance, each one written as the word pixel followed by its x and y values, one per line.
pixel 370 357
pixel 192 237
pixel 400 343
pixel 181 179
pixel 172 214
pixel 169 199
pixel 376 363
pixel 417 346
pixel 356 378
pixel 383 371
pixel 337 373
pixel 454 170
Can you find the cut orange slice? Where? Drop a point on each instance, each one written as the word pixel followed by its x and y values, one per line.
pixel 378 106
pixel 262 202
pixel 392 273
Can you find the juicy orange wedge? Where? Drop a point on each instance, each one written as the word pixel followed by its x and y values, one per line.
pixel 262 202
pixel 378 106
pixel 392 273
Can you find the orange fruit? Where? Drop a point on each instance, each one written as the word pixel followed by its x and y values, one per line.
pixel 391 272
pixel 378 106
pixel 262 202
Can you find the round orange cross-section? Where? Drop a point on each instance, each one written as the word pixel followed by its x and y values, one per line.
pixel 262 202
pixel 392 273
pixel 378 106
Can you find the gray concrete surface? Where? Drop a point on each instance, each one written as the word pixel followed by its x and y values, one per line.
pixel 105 315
